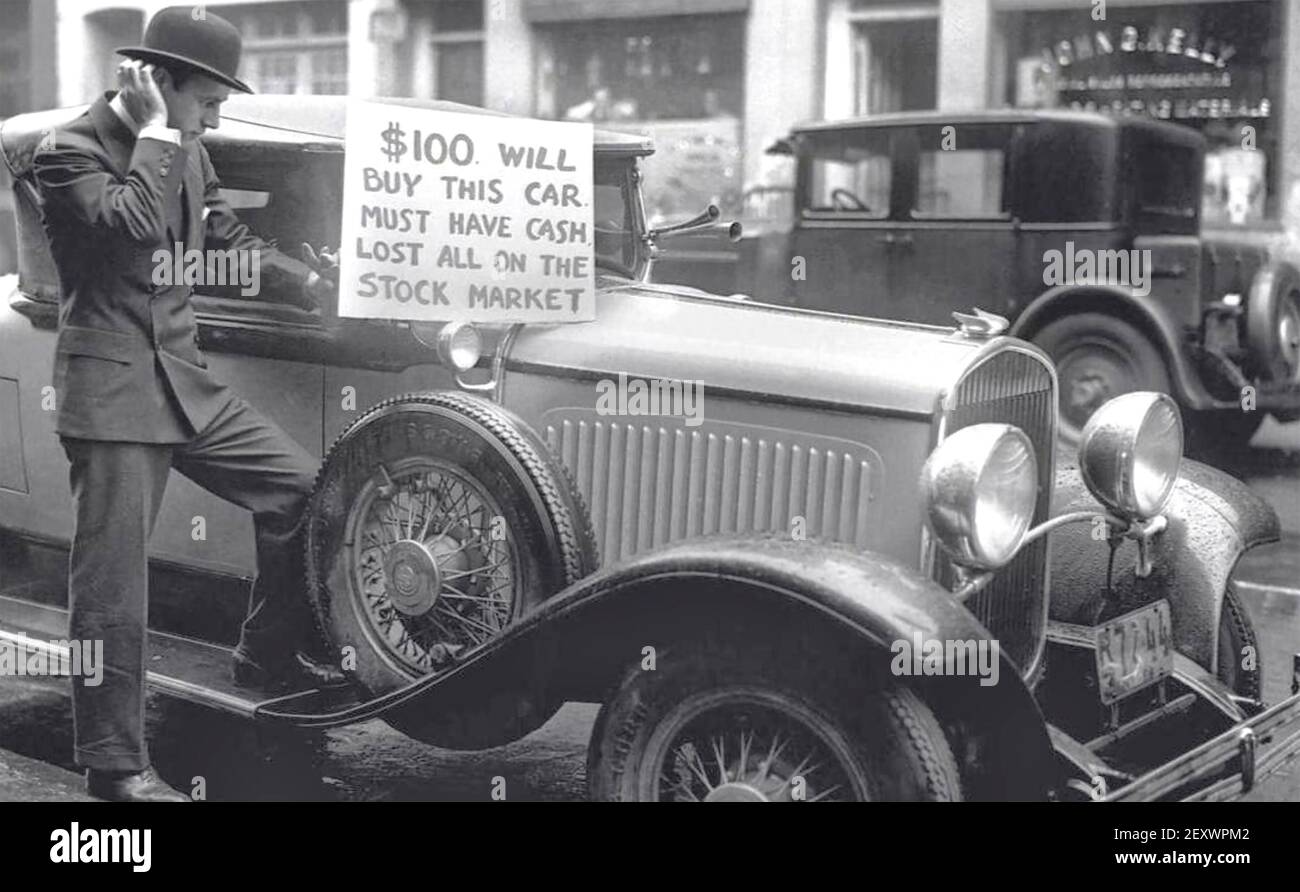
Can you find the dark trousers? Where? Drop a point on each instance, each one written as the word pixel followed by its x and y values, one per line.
pixel 117 489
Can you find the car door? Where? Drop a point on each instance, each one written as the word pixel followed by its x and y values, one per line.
pixel 957 243
pixel 845 228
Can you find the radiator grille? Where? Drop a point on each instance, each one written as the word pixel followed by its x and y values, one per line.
pixel 1012 388
pixel 649 484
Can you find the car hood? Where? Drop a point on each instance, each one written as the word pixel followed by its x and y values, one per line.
pixel 755 349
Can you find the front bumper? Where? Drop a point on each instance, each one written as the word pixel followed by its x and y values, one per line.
pixel 1228 766
pixel 1239 742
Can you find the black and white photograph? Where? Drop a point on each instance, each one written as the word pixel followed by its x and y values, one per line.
pixel 460 401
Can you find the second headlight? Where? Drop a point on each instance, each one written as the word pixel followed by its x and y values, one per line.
pixel 1130 452
pixel 979 487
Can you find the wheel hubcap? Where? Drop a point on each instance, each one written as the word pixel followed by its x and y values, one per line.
pixel 735 793
pixel 413 577
pixel 1289 338
pixel 1089 377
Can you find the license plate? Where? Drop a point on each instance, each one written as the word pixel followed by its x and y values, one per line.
pixel 1133 651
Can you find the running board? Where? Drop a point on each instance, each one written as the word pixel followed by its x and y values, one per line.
pixel 179 667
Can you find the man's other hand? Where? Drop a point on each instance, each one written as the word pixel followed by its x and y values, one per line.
pixel 321 288
pixel 326 262
pixel 140 93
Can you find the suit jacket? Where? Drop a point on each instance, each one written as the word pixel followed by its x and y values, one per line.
pixel 127 363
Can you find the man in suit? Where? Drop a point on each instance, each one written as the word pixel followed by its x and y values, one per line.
pixel 128 179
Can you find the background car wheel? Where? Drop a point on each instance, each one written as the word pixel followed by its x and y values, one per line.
pixel 1098 357
pixel 1236 634
pixel 713 726
pixel 1273 325
pixel 437 520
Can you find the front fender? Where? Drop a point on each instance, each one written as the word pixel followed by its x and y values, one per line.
pixel 1213 519
pixel 844 608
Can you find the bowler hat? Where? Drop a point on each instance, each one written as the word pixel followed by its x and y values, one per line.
pixel 195 37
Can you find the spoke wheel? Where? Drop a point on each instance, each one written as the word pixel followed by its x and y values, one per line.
pixel 433 563
pixel 437 521
pixel 718 724
pixel 748 745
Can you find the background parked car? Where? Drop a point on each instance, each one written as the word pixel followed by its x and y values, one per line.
pixel 912 216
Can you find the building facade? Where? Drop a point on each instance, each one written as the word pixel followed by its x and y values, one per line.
pixel 715 82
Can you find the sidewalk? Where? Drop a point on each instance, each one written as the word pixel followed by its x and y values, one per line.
pixel 30 780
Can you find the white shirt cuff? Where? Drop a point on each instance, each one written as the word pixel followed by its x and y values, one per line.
pixel 157 131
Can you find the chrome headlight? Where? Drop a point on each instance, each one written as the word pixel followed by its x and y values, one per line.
pixel 1130 452
pixel 459 344
pixel 980 486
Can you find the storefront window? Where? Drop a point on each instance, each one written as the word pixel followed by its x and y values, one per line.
pixel 1215 67
pixel 293 47
pixel 675 67
pixel 458 51
pixel 677 79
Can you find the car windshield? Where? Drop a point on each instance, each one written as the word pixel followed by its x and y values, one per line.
pixel 615 219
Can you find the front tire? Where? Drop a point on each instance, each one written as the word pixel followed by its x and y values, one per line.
pixel 711 726
pixel 1237 641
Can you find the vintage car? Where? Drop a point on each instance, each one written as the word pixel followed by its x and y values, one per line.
pixel 1083 229
pixel 754 593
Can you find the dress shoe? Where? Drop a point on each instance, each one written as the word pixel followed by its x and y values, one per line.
pixel 298 669
pixel 131 786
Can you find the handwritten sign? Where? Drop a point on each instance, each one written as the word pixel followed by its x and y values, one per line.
pixel 463 217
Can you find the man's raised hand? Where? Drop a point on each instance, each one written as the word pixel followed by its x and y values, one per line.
pixel 140 93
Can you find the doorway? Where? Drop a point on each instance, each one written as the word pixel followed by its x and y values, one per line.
pixel 895 65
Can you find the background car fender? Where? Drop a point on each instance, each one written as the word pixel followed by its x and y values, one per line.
pixel 1139 310
pixel 768 594
pixel 1213 519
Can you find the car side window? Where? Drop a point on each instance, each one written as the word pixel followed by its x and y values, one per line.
pixel 848 172
pixel 962 174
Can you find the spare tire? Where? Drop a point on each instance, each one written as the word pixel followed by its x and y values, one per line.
pixel 1273 324
pixel 438 520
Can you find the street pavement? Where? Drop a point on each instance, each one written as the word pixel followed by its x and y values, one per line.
pixel 372 762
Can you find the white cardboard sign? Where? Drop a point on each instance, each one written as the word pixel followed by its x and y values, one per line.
pixel 463 217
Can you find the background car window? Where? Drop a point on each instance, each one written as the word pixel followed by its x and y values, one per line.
pixel 849 173
pixel 961 183
pixel 1168 183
